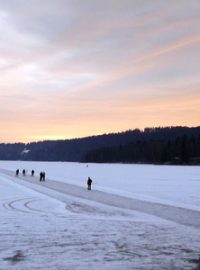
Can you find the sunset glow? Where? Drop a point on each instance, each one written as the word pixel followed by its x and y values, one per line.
pixel 71 69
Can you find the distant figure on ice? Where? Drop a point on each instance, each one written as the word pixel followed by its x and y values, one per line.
pixel 32 173
pixel 23 172
pixel 42 176
pixel 17 172
pixel 89 183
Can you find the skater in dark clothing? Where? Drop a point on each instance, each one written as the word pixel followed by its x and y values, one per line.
pixel 23 172
pixel 42 176
pixel 17 172
pixel 32 173
pixel 89 183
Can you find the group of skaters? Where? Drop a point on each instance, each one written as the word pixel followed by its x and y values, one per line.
pixel 42 174
pixel 42 177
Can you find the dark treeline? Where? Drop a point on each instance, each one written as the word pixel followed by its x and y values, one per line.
pixel 9 151
pixel 182 150
pixel 170 145
pixel 175 145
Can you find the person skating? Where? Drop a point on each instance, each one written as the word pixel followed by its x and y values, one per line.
pixel 89 183
pixel 41 175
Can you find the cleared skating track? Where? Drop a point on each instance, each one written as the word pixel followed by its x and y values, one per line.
pixel 179 215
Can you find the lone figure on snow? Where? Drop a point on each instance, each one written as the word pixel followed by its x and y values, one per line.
pixel 89 183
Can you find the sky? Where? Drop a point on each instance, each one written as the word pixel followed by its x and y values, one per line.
pixel 74 68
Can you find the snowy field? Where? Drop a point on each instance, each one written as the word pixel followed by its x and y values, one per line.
pixel 60 225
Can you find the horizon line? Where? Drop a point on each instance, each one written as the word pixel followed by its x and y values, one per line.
pixel 96 135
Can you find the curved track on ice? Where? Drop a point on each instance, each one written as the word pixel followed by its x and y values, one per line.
pixel 179 215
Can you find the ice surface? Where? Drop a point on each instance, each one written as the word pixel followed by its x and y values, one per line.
pixel 60 231
pixel 175 185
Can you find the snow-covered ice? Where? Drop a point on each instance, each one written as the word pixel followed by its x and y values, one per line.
pixel 43 228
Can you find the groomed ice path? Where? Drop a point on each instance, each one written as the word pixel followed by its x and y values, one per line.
pixel 179 215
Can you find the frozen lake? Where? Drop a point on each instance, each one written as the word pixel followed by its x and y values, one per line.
pixel 176 185
pixel 60 225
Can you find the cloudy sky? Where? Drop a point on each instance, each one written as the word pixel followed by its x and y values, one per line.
pixel 72 68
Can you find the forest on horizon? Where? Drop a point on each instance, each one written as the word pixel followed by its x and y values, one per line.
pixel 159 145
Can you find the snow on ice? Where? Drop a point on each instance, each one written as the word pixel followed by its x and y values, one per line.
pixel 48 226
